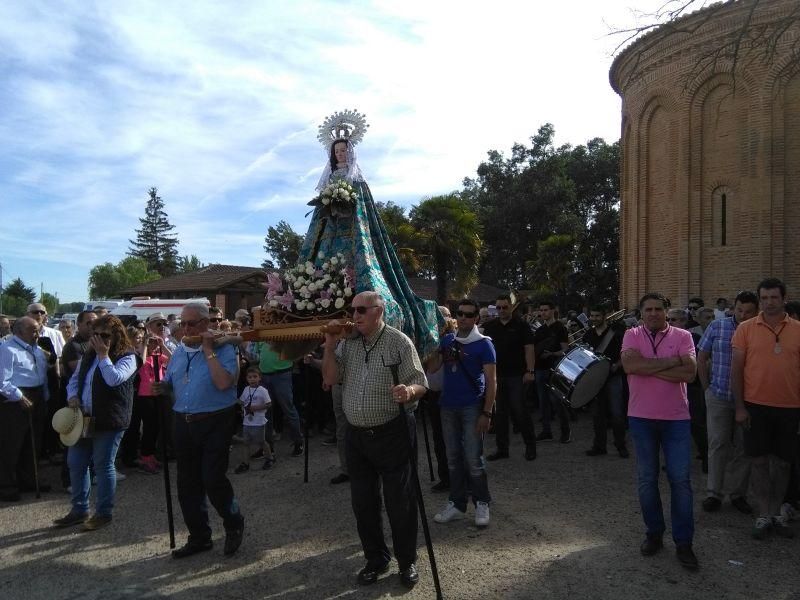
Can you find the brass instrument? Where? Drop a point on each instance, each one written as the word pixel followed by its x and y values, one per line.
pixel 611 320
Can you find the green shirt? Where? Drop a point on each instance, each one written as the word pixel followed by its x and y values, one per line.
pixel 367 384
pixel 269 361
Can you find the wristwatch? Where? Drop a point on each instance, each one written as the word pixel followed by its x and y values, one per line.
pixel 210 356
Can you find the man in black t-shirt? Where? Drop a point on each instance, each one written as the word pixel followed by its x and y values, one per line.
pixel 513 342
pixel 551 342
pixel 75 348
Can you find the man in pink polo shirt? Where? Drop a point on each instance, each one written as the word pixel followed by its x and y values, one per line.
pixel 659 360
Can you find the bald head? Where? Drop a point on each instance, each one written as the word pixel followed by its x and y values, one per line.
pixel 27 329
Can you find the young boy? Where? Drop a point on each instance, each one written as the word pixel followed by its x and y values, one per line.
pixel 255 403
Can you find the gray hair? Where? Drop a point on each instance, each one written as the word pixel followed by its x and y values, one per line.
pixel 374 297
pixel 199 307
pixel 705 310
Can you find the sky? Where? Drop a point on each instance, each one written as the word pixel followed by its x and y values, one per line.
pixel 217 105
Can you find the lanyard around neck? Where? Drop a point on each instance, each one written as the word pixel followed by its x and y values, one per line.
pixel 652 338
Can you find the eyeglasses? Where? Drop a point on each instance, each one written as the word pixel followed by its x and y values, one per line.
pixel 362 309
pixel 103 334
pixel 215 319
pixel 38 312
pixel 194 323
pixel 466 315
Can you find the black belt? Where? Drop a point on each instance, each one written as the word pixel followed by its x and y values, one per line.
pixel 279 372
pixel 375 429
pixel 192 417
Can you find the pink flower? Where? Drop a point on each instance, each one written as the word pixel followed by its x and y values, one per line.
pixel 325 294
pixel 274 285
pixel 349 276
pixel 287 300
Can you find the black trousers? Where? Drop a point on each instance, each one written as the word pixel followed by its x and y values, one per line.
pixel 201 449
pixel 511 403
pixel 430 403
pixel 142 433
pixel 16 453
pixel 380 457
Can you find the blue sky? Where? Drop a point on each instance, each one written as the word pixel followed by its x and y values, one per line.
pixel 217 105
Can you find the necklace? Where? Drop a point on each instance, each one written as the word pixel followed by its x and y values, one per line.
pixel 189 359
pixel 371 348
pixel 652 338
pixel 777 334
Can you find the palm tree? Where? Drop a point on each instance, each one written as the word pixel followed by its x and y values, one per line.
pixel 448 243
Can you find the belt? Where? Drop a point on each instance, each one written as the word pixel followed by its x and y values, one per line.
pixel 286 370
pixel 375 429
pixel 192 417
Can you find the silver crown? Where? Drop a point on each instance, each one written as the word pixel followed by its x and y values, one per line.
pixel 348 125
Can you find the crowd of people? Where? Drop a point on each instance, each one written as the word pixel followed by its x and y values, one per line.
pixel 720 384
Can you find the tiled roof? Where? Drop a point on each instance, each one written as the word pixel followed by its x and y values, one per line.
pixel 212 277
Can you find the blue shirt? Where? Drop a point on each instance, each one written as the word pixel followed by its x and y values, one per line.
pixel 21 365
pixel 113 375
pixel 191 382
pixel 464 382
pixel 717 340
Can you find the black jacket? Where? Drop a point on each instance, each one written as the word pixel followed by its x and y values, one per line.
pixel 111 406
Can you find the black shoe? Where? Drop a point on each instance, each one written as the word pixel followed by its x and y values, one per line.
pixel 70 520
pixel 742 505
pixel 596 451
pixel 497 455
pixel 686 557
pixel 409 576
pixel 242 468
pixel 369 574
pixel 442 486
pixel 530 452
pixel 340 478
pixel 268 462
pixel 545 436
pixel 233 539
pixel 623 452
pixel 190 548
pixel 298 450
pixel 651 545
pixel 258 453
pixel 331 441
pixel 712 504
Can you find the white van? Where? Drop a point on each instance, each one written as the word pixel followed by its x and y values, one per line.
pixel 138 309
pixel 109 304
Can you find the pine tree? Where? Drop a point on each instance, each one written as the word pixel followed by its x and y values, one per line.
pixel 154 243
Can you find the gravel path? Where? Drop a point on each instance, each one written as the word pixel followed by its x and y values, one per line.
pixel 563 526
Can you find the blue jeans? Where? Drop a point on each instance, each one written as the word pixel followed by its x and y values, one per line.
pixel 279 386
pixel 675 438
pixel 464 455
pixel 101 449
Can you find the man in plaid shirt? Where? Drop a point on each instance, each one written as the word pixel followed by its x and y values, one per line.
pixel 728 466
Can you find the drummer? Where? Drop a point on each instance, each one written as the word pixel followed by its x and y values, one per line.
pixel 606 340
pixel 551 342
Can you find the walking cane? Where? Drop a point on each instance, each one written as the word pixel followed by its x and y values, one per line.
pixel 307 381
pixel 33 449
pixel 162 423
pixel 394 368
pixel 422 408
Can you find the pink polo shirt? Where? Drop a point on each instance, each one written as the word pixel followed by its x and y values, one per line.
pixel 651 397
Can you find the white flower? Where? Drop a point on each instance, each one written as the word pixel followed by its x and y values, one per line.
pixel 339 303
pixel 273 303
pixel 326 265
pixel 333 287
pixel 304 289
pixel 339 293
pixel 310 270
pixel 325 303
pixel 296 284
pixel 306 295
pixel 320 255
pixel 298 302
pixel 309 265
pixel 348 291
pixel 335 260
pixel 312 287
pixel 326 201
pixel 326 278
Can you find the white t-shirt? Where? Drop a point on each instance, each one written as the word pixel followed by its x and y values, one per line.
pixel 256 396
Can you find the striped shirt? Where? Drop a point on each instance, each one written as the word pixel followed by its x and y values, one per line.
pixel 367 384
pixel 717 341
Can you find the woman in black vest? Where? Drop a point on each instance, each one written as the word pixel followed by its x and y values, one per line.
pixel 102 387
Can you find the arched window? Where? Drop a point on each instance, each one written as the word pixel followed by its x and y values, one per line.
pixel 721 205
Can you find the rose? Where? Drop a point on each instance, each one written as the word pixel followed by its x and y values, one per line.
pixel 325 201
pixel 335 260
pixel 312 287
pixel 348 291
pixel 325 303
pixel 310 270
pixel 296 285
pixel 339 303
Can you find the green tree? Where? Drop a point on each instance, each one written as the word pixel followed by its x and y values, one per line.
pixel 449 243
pixel 154 243
pixel 15 298
pixel 282 246
pixel 404 237
pixel 70 307
pixel 108 280
pixel 50 302
pixel 187 264
pixel 554 266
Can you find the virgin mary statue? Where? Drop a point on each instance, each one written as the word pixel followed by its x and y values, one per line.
pixel 354 229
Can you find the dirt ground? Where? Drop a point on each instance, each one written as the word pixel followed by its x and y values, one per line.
pixel 563 526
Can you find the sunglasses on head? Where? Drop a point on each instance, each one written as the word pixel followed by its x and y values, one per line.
pixel 362 309
pixel 466 315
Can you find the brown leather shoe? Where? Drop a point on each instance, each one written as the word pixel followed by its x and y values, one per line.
pixel 96 522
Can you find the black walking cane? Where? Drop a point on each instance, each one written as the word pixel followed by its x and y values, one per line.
pixel 394 368
pixel 162 423
pixel 33 449
pixel 422 409
pixel 307 385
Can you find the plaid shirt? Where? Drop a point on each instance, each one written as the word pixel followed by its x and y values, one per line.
pixel 717 341
pixel 367 384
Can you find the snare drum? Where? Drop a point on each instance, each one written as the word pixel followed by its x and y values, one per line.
pixel 579 376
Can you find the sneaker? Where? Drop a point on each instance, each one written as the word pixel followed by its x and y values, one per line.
pixel 96 522
pixel 686 557
pixel 481 514
pixel 242 468
pixel 449 513
pixel 780 526
pixel 545 436
pixel 147 464
pixel 298 450
pixel 268 464
pixel 331 441
pixel 761 528
pixel 71 519
pixel 788 512
pixel 120 477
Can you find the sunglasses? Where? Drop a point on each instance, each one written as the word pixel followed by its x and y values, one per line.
pixel 215 319
pixel 103 334
pixel 466 315
pixel 362 309
pixel 38 312
pixel 194 323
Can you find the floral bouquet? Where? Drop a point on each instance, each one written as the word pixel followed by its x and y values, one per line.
pixel 307 290
pixel 338 198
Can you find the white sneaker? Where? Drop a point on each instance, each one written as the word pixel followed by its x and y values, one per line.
pixel 449 513
pixel 788 512
pixel 121 476
pixel 481 514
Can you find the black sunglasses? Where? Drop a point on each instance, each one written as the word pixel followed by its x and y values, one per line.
pixel 38 312
pixel 467 315
pixel 215 319
pixel 362 309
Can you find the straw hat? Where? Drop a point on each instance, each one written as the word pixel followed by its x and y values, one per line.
pixel 68 422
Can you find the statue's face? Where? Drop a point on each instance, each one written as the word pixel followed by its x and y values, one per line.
pixel 340 152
